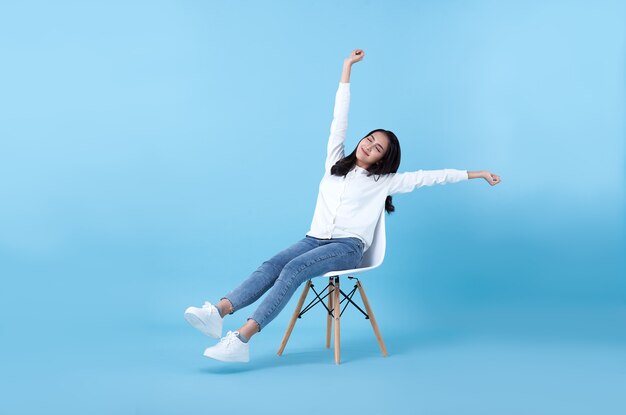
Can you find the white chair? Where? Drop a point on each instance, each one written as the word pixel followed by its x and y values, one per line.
pixel 372 258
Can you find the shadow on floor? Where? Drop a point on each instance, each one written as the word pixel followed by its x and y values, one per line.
pixel 356 348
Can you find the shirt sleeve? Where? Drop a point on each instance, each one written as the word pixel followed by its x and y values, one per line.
pixel 339 126
pixel 407 182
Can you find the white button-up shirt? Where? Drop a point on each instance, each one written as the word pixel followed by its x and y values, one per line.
pixel 350 206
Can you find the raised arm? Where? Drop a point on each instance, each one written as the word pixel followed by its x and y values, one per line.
pixel 355 56
pixel 339 126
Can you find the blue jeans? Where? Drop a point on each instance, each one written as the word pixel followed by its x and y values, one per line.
pixel 284 272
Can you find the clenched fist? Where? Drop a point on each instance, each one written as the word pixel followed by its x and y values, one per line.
pixel 492 179
pixel 355 56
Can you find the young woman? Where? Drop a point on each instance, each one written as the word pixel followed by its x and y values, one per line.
pixel 352 193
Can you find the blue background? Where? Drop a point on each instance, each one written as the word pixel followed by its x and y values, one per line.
pixel 154 153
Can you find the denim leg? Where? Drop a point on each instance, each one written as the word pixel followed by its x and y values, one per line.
pixel 331 256
pixel 264 277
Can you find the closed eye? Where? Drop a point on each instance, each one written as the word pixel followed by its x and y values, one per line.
pixel 378 146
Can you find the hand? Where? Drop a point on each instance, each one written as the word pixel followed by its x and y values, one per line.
pixel 355 56
pixel 492 179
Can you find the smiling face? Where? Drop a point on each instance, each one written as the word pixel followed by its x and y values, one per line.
pixel 371 149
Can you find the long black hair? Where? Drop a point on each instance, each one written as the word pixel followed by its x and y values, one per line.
pixel 388 164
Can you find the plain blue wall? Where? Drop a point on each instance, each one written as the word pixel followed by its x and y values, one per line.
pixel 152 154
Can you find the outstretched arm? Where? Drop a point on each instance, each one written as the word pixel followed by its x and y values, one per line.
pixel 407 182
pixel 339 126
pixel 492 179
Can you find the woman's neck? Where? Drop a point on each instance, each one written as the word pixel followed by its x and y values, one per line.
pixel 361 164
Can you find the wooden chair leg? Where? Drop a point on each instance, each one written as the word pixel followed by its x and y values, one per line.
pixel 370 313
pixel 329 318
pixel 294 317
pixel 337 314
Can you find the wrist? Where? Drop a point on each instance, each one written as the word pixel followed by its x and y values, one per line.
pixel 476 174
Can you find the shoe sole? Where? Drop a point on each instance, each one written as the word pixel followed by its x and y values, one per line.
pixel 198 324
pixel 222 359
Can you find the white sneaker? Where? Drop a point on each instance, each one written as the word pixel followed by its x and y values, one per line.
pixel 206 319
pixel 229 349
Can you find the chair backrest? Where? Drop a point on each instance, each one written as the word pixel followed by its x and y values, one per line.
pixel 375 254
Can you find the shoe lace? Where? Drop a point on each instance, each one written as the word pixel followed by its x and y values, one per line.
pixel 207 306
pixel 230 337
